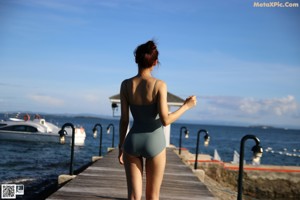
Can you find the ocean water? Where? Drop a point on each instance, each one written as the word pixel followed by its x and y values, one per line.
pixel 38 164
pixel 281 146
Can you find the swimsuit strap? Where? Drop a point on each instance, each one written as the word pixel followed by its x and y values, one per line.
pixel 153 92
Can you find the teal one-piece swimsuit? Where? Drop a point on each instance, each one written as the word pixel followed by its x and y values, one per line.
pixel 146 137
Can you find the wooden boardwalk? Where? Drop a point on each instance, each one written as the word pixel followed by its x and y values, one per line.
pixel 105 179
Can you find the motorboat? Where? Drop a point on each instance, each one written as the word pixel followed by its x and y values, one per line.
pixel 38 130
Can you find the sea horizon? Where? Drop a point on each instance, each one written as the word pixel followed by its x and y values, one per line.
pixel 186 121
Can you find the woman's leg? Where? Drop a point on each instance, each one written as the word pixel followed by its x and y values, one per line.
pixel 155 168
pixel 134 175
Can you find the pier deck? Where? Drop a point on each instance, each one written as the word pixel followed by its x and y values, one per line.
pixel 105 179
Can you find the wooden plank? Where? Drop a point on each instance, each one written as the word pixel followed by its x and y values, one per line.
pixel 105 179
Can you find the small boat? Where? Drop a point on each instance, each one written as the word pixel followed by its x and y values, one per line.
pixel 38 130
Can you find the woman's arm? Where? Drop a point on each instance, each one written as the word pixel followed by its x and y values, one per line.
pixel 163 109
pixel 124 121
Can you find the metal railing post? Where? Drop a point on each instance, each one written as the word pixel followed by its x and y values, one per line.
pixel 186 132
pixel 206 137
pixel 72 144
pixel 95 133
pixel 113 135
pixel 257 151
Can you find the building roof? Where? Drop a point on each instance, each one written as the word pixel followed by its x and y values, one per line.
pixel 173 100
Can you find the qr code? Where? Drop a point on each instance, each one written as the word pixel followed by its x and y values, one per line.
pixel 8 191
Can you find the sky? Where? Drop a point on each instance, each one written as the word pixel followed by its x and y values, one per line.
pixel 69 56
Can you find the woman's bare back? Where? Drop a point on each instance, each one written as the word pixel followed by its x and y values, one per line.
pixel 141 91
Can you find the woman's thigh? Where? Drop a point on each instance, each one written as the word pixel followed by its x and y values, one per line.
pixel 155 168
pixel 134 174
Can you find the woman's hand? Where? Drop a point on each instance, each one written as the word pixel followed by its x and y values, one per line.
pixel 121 156
pixel 190 102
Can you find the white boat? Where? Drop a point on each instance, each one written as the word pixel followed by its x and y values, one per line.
pixel 38 130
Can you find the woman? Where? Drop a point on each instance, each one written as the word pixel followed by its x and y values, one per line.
pixel 146 97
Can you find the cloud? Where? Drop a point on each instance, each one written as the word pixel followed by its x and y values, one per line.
pixel 278 106
pixel 46 100
pixel 251 107
pixel 92 98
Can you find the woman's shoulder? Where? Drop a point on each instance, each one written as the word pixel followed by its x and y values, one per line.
pixel 126 81
pixel 160 83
